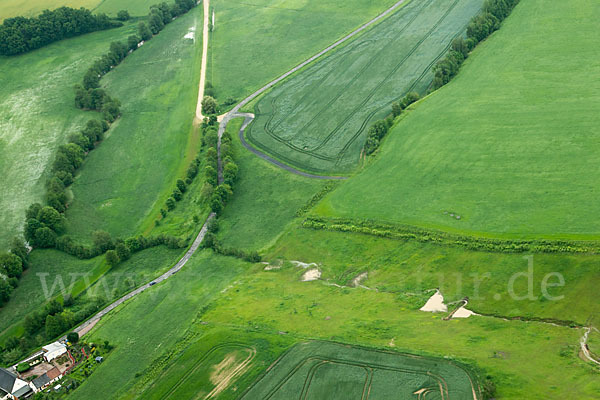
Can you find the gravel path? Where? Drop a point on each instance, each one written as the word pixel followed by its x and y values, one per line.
pixel 235 111
pixel 199 115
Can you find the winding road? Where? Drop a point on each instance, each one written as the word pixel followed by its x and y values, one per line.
pixel 224 120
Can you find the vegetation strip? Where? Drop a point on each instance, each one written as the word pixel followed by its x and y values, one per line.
pixel 404 232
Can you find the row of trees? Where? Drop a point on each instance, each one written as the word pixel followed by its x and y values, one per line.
pixel 19 35
pixel 211 242
pixel 380 128
pixel 480 27
pixel 12 264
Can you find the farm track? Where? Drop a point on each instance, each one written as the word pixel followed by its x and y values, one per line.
pixel 235 111
pixel 270 131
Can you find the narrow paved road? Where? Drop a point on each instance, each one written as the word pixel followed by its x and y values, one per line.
pixel 235 111
pixel 147 286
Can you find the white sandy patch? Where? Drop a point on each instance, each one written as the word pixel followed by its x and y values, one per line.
pixel 462 312
pixel 356 282
pixel 191 34
pixel 303 264
pixel 311 275
pixel 435 303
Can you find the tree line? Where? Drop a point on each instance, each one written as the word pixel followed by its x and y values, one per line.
pixel 45 224
pixel 19 35
pixel 89 95
pixel 480 27
pixel 380 128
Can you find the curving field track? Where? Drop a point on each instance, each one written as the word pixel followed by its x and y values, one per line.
pixel 317 120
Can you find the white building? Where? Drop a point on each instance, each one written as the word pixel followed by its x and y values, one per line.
pixel 13 388
pixel 53 351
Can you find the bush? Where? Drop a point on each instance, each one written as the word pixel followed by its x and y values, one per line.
pixel 112 258
pixel 209 105
pixel 23 367
pixel 123 15
pixel 73 337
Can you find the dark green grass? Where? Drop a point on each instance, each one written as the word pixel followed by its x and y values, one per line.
pixel 297 29
pixel 121 181
pixel 265 199
pixel 319 370
pixel 37 114
pixel 147 326
pixel 507 145
pixel 318 120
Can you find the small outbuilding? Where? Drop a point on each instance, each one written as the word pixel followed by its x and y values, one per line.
pixel 99 359
pixel 53 351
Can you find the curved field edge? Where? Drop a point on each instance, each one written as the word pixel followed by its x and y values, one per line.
pixel 294 360
pixel 324 89
pixel 499 151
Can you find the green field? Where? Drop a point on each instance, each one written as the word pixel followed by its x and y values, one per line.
pixel 265 201
pixel 322 370
pixel 14 8
pixel 148 326
pixel 506 145
pixel 137 165
pixel 37 114
pixel 134 7
pixel 278 301
pixel 240 40
pixel 318 120
pixel 30 8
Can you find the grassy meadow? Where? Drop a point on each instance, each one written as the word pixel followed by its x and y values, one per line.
pixel 136 8
pixel 37 114
pixel 284 32
pixel 265 200
pixel 30 8
pixel 150 325
pixel 318 119
pixel 136 166
pixel 507 145
pixel 24 8
pixel 278 301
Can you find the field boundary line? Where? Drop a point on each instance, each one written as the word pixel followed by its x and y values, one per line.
pixel 235 111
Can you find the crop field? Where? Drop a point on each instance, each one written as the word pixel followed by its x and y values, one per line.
pixel 319 370
pixel 37 114
pixel 318 119
pixel 240 43
pixel 14 8
pixel 148 326
pixel 506 145
pixel 30 8
pixel 117 187
pixel 134 7
pixel 209 374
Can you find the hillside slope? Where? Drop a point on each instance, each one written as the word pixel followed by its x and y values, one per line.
pixel 511 145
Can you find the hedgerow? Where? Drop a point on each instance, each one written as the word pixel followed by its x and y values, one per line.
pixel 402 232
